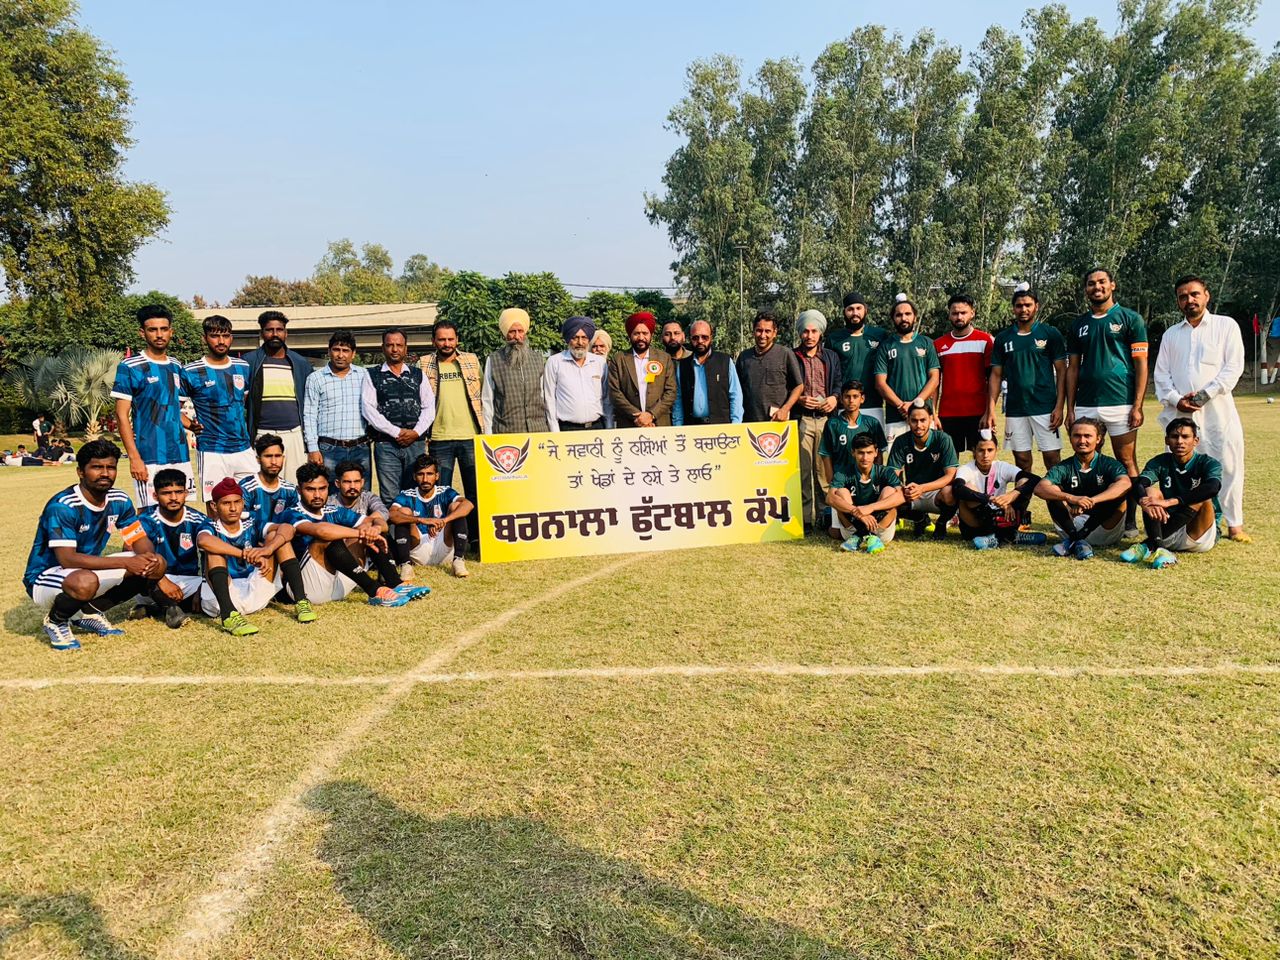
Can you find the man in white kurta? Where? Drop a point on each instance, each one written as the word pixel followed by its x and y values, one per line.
pixel 1200 360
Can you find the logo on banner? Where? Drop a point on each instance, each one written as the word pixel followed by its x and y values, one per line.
pixel 507 459
pixel 769 445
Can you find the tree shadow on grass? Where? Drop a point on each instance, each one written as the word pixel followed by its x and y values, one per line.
pixel 476 887
pixel 74 914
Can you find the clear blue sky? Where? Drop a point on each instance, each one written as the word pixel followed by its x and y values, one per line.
pixel 494 136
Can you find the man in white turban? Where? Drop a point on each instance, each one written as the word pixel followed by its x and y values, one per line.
pixel 822 368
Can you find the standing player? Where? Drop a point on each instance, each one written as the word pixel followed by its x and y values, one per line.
pixel 926 460
pixel 864 502
pixel 1107 375
pixel 217 384
pixel 905 368
pixel 836 447
pixel 267 495
pixel 147 391
pixel 1177 491
pixel 991 496
pixel 856 344
pixel 965 354
pixel 173 529
pixel 428 514
pixel 67 573
pixel 1086 494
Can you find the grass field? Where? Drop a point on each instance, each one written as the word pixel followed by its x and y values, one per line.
pixel 770 751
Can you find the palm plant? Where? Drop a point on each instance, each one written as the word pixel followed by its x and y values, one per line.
pixel 74 386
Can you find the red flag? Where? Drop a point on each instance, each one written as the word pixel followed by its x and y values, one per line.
pixel 1256 328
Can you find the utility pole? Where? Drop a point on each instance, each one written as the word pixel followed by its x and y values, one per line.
pixel 742 302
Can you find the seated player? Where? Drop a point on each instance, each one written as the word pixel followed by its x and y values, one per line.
pixel 992 496
pixel 926 461
pixel 336 546
pixel 242 561
pixel 1086 493
pixel 425 517
pixel 835 449
pixel 173 528
pixel 1177 488
pixel 67 572
pixel 267 495
pixel 864 502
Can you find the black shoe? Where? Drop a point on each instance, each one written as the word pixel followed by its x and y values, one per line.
pixel 140 611
pixel 175 616
pixel 918 527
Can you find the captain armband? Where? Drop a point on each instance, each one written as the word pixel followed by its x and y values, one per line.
pixel 1138 350
pixel 132 533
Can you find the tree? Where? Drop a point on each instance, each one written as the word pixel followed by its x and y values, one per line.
pixel 268 291
pixel 421 279
pixel 74 386
pixel 70 222
pixel 113 328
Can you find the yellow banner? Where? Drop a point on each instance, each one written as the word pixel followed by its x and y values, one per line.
pixel 573 494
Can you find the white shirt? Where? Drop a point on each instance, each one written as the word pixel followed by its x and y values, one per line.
pixel 1208 357
pixel 576 394
pixel 369 404
pixel 641 373
pixel 993 483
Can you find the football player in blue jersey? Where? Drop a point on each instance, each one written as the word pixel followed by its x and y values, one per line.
pixel 67 571
pixel 217 385
pixel 173 528
pixel 426 516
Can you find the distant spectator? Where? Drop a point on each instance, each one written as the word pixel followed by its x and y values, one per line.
pixel 601 344
pixel 41 430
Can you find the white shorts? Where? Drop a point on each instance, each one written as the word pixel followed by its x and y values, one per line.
pixel 925 504
pixel 431 551
pixel 146 494
pixel 875 413
pixel 49 584
pixel 323 586
pixel 216 467
pixel 248 594
pixel 885 533
pixel 1101 536
pixel 894 430
pixel 1115 419
pixel 1180 541
pixel 1019 432
pixel 188 586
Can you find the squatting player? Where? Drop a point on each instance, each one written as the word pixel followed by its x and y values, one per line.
pixel 173 529
pixel 1086 494
pixel 864 501
pixel 926 459
pixel 426 515
pixel 991 496
pixel 1177 491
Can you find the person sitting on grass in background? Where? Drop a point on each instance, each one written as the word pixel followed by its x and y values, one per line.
pixel 835 450
pixel 267 495
pixel 864 501
pixel 67 572
pixel 992 496
pixel 336 547
pixel 1177 488
pixel 173 529
pixel 242 562
pixel 1086 493
pixel 926 460
pixel 423 518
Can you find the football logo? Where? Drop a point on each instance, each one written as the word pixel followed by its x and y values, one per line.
pixel 238 380
pixel 185 541
pixel 769 445
pixel 921 351
pixel 1041 344
pixel 506 459
pixel 1115 328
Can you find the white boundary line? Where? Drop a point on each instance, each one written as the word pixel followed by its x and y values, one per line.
pixel 212 916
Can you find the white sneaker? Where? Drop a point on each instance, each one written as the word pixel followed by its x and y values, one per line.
pixel 460 568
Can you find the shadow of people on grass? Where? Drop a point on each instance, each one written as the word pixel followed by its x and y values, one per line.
pixel 74 914
pixel 475 887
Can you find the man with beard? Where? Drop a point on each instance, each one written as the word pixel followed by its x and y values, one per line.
pixel 217 384
pixel 927 462
pixel 511 396
pixel 333 424
pixel 173 528
pixel 267 495
pixel 905 368
pixel 1201 359
pixel 147 389
pixel 575 382
pixel 399 407
pixel 771 376
pixel 673 340
pixel 1086 494
pixel 965 354
pixel 1107 375
pixel 277 386
pixel 707 386
pixel 856 344
pixel 821 374
pixel 642 383
pixel 428 519
pixel 1178 488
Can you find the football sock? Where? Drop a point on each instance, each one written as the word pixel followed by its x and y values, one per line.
pixel 340 557
pixel 220 583
pixel 291 570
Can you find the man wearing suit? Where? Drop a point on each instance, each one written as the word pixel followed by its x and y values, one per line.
pixel 642 382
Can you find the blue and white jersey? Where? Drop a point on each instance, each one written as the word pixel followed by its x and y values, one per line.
pixel 154 390
pixel 436 505
pixel 332 513
pixel 176 542
pixel 218 394
pixel 249 535
pixel 268 506
pixel 70 520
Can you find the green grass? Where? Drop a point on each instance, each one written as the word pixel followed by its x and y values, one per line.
pixel 944 815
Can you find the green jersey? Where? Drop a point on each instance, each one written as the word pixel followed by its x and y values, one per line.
pixel 923 465
pixel 856 352
pixel 837 439
pixel 1105 347
pixel 1071 477
pixel 866 492
pixel 906 367
pixel 1026 366
pixel 1182 480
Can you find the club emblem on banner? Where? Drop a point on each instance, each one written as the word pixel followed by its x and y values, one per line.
pixel 769 445
pixel 506 459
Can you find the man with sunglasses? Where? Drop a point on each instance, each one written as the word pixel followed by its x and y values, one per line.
pixel 707 386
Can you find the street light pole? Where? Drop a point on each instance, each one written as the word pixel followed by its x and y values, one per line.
pixel 742 302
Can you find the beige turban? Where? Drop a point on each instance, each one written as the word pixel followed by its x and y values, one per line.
pixel 513 317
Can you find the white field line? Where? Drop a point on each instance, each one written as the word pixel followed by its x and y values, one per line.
pixel 212 916
pixel 196 680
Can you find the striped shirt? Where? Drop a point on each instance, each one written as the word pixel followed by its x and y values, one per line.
pixel 153 389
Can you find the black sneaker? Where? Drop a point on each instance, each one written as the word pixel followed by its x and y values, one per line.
pixel 175 616
pixel 140 611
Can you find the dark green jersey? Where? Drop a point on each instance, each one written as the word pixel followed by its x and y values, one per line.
pixel 856 353
pixel 923 465
pixel 1182 480
pixel 866 492
pixel 1070 477
pixel 1026 366
pixel 906 367
pixel 1105 347
pixel 837 439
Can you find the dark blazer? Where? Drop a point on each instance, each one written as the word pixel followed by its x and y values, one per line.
pixel 624 390
pixel 253 396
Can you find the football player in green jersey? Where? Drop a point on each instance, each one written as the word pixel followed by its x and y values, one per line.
pixel 856 343
pixel 864 502
pixel 905 368
pixel 1086 493
pixel 1177 491
pixel 926 460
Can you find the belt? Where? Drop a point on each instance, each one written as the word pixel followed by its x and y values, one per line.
pixel 330 442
